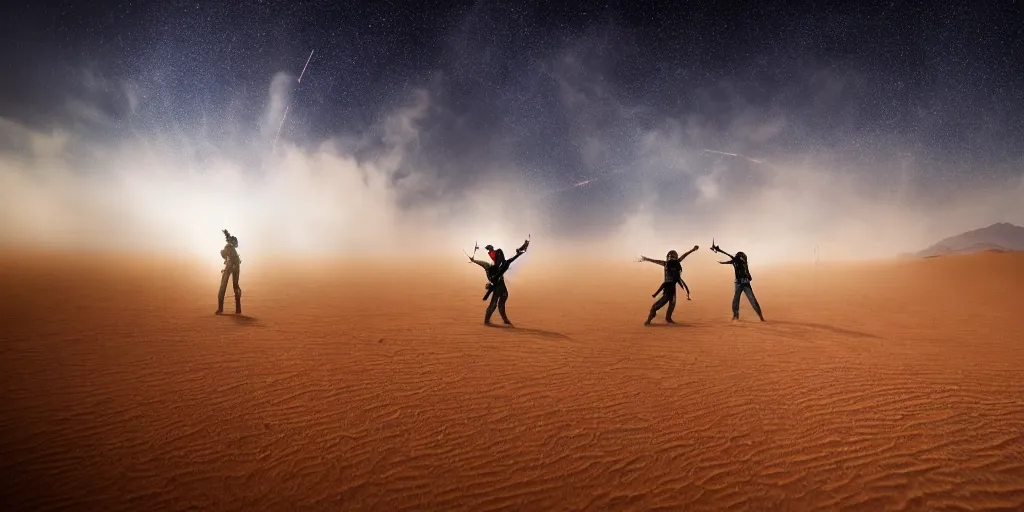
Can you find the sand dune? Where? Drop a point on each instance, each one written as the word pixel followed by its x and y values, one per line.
pixel 882 386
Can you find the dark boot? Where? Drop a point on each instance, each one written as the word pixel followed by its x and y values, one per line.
pixel 238 305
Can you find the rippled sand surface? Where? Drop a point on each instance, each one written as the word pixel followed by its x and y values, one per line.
pixel 887 386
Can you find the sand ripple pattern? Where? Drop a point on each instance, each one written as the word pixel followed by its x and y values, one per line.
pixel 324 400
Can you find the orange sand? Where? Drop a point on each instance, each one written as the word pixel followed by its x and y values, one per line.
pixel 884 386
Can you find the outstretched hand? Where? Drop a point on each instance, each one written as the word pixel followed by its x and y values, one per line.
pixel 696 247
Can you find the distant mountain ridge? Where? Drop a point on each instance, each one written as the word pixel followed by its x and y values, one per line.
pixel 998 237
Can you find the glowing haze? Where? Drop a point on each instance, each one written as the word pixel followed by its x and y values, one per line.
pixel 589 135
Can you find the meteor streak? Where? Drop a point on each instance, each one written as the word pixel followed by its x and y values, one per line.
pixel 307 65
pixel 273 148
pixel 585 182
pixel 756 161
pixel 745 157
pixel 596 178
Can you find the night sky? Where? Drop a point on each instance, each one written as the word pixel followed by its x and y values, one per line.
pixel 904 103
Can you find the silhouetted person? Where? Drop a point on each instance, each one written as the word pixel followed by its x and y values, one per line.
pixel 496 289
pixel 232 267
pixel 673 275
pixel 739 266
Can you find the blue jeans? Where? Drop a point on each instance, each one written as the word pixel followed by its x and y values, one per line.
pixel 745 289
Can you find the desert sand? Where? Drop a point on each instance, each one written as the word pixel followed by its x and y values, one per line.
pixel 374 386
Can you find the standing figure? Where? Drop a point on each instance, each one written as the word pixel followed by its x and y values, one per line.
pixel 673 275
pixel 739 266
pixel 496 289
pixel 232 267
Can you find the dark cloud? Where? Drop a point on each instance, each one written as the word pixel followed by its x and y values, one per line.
pixel 586 122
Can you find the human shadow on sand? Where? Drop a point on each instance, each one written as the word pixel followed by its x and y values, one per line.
pixel 535 332
pixel 669 325
pixel 244 320
pixel 824 327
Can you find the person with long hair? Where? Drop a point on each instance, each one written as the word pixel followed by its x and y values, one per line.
pixel 743 279
pixel 673 275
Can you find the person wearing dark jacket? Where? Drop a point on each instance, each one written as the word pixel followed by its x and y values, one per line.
pixel 496 289
pixel 232 267
pixel 742 272
pixel 673 275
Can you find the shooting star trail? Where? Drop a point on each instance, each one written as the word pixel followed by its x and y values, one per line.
pixel 756 161
pixel 720 152
pixel 273 148
pixel 591 180
pixel 586 182
pixel 306 66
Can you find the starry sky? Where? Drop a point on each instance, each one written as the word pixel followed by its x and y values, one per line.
pixel 599 116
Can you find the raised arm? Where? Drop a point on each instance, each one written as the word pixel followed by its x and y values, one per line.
pixel 687 253
pixel 658 262
pixel 508 262
pixel 504 267
pixel 727 254
pixel 485 264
